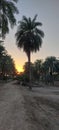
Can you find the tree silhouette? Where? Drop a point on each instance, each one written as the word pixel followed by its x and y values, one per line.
pixel 7 11
pixel 29 37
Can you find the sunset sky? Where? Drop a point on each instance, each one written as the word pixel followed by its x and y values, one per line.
pixel 48 14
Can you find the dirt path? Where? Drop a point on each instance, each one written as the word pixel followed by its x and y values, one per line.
pixel 21 109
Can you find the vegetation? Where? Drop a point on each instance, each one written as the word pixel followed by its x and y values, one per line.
pixel 47 71
pixel 29 38
pixel 7 66
pixel 37 69
pixel 7 11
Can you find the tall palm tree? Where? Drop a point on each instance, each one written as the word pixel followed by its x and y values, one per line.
pixel 7 11
pixel 29 37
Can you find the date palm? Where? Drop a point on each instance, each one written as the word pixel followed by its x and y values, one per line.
pixel 29 37
pixel 7 11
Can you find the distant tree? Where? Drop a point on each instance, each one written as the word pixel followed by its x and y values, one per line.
pixel 2 51
pixel 49 69
pixel 7 66
pixel 49 63
pixel 26 69
pixel 7 11
pixel 56 66
pixel 37 69
pixel 29 37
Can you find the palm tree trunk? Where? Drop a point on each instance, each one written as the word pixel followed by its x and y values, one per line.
pixel 29 65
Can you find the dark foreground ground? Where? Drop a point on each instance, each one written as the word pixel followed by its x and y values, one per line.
pixel 21 109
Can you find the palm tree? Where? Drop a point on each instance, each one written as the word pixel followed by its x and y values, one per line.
pixel 49 63
pixel 29 37
pixel 7 11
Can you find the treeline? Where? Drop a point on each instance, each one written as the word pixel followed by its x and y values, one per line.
pixel 7 65
pixel 41 70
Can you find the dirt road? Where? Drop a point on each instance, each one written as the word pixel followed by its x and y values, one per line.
pixel 21 109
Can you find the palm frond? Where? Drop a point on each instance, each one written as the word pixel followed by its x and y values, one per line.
pixel 38 24
pixel 25 19
pixel 29 36
pixel 8 9
pixel 40 32
pixel 34 19
pixel 5 28
pixel 12 6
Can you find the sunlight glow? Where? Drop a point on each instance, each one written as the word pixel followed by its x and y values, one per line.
pixel 19 68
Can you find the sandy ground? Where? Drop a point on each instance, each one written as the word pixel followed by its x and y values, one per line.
pixel 21 109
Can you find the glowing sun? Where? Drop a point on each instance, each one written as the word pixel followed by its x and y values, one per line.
pixel 19 68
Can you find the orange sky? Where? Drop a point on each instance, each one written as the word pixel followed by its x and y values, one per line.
pixel 19 68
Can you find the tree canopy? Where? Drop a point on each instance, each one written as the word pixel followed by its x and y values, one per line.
pixel 7 65
pixel 7 11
